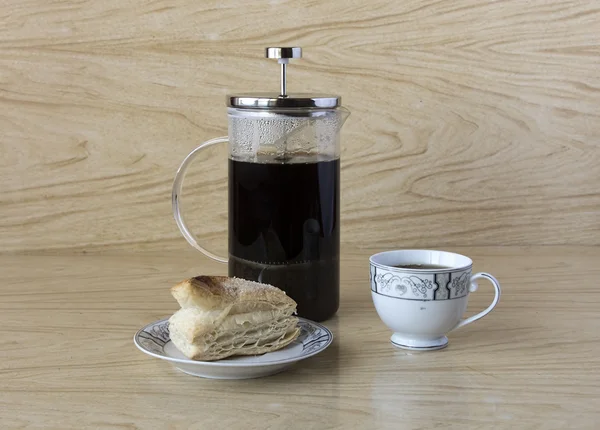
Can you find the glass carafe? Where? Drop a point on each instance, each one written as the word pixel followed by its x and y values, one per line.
pixel 284 192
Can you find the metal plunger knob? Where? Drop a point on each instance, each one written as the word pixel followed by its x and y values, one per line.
pixel 283 56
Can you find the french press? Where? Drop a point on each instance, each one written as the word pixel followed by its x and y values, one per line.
pixel 284 192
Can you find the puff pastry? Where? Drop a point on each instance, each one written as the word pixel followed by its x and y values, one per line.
pixel 222 317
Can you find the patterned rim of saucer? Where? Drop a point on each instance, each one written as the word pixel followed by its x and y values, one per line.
pixel 313 338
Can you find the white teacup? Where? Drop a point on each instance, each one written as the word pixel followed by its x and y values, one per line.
pixel 422 304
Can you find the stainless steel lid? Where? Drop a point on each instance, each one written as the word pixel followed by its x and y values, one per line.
pixel 290 101
pixel 283 100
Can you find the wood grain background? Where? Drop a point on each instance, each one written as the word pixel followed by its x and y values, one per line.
pixel 473 122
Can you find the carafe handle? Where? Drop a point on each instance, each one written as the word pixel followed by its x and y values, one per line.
pixel 176 199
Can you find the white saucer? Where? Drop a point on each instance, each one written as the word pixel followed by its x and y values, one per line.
pixel 154 340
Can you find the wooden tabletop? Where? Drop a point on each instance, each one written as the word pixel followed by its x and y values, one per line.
pixel 68 360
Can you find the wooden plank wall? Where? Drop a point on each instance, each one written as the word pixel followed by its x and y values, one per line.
pixel 474 122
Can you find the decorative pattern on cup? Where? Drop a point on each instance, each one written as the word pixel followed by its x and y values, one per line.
pixel 420 285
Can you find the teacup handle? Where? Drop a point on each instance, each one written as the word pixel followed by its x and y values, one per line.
pixel 176 196
pixel 473 288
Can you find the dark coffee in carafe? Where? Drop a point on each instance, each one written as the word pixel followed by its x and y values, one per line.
pixel 284 191
pixel 284 228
